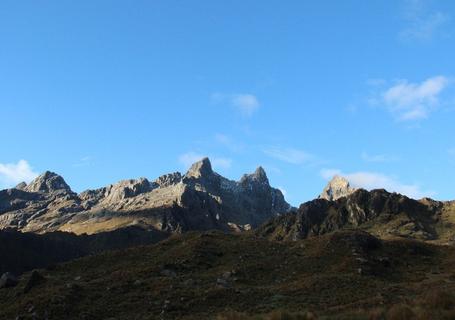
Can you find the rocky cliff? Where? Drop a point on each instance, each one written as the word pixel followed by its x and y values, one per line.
pixel 379 212
pixel 201 199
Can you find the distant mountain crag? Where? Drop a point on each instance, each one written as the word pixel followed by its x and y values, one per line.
pixel 383 214
pixel 201 199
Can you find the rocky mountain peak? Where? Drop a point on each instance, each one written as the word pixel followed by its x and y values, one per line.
pixel 48 182
pixel 199 200
pixel 258 176
pixel 202 168
pixel 126 189
pixel 337 188
pixel 168 179
pixel 21 186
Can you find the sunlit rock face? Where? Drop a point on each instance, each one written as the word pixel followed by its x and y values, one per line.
pixel 200 199
pixel 337 188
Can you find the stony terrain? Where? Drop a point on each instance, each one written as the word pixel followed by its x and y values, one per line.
pixel 199 200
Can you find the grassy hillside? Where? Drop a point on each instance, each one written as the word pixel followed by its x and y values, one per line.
pixel 343 275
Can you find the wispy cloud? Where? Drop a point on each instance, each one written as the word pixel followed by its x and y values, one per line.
pixel 14 173
pixel 373 180
pixel 290 155
pixel 245 103
pixel 187 159
pixel 378 157
pixel 83 162
pixel 421 22
pixel 408 101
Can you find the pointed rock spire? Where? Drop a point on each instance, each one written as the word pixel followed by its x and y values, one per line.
pixel 260 175
pixel 48 182
pixel 337 188
pixel 257 177
pixel 200 169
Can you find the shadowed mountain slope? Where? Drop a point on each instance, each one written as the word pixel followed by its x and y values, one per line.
pixel 24 251
pixel 379 212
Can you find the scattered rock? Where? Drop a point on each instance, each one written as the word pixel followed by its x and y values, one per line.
pixel 222 283
pixel 168 273
pixel 8 280
pixel 361 260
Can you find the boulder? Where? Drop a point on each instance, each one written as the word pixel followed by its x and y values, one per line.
pixel 8 280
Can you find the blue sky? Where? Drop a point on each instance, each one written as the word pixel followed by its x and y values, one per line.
pixel 100 91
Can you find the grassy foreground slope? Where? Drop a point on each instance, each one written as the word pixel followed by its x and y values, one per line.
pixel 343 275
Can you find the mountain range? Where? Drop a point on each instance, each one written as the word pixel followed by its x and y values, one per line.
pixel 196 245
pixel 200 199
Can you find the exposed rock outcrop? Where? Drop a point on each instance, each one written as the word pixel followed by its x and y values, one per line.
pixel 379 212
pixel 337 188
pixel 201 199
pixel 48 182
pixel 8 280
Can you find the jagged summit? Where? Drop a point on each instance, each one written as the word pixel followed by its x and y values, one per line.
pixel 21 185
pixel 259 176
pixel 199 200
pixel 200 169
pixel 48 182
pixel 337 188
pixel 377 211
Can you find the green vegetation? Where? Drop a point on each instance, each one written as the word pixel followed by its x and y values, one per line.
pixel 344 275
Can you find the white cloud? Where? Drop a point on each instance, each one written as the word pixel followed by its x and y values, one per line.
pixel 289 155
pixel 414 101
pixel 245 103
pixel 422 23
pixel 373 180
pixel 187 159
pixel 377 157
pixel 14 173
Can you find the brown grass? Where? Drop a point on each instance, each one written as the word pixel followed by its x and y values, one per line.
pixel 179 278
pixel 400 312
